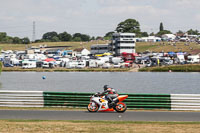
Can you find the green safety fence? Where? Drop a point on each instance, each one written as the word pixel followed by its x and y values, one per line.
pixel 80 100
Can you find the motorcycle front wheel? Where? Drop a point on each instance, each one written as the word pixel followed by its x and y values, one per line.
pixel 93 107
pixel 120 107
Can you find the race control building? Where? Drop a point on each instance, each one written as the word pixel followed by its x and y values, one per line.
pixel 122 42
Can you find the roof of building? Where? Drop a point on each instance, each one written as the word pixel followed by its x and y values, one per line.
pixel 78 49
pixel 123 34
pixel 99 45
pixel 194 52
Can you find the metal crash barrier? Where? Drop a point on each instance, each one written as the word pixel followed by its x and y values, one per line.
pixel 21 99
pixel 81 100
pixel 134 101
pixel 185 101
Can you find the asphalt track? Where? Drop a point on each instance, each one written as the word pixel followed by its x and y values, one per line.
pixel 84 115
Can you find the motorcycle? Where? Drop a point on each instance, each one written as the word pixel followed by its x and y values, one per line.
pixel 100 104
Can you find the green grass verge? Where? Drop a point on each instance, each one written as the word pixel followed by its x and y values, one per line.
pixel 52 126
pixel 10 69
pixel 0 67
pixel 165 47
pixel 173 68
pixel 73 45
pixel 103 121
pixel 140 46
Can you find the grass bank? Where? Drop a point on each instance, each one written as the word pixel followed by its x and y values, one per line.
pixel 19 69
pixel 166 47
pixel 173 68
pixel 140 46
pixel 0 66
pixel 72 45
pixel 38 126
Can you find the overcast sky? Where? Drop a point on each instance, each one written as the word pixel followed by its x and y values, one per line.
pixel 95 17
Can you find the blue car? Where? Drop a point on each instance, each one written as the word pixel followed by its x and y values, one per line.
pixel 8 65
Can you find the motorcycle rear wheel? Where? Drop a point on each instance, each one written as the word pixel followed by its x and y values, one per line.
pixel 120 107
pixel 93 108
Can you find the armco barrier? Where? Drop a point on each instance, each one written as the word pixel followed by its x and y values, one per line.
pixel 134 101
pixel 66 99
pixel 148 101
pixel 21 99
pixel 81 100
pixel 185 101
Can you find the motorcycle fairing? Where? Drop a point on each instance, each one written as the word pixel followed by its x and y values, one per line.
pixel 103 104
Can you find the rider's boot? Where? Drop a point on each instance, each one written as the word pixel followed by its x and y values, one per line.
pixel 111 104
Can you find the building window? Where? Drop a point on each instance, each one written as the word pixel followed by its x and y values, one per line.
pixel 126 47
pixel 125 41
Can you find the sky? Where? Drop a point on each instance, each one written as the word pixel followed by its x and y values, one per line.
pixel 95 17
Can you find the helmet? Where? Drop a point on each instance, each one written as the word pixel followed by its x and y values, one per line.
pixel 105 87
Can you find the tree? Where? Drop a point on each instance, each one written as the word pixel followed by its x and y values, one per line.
pixel 25 40
pixel 92 38
pixel 144 34
pixel 108 35
pixel 17 40
pixel 193 32
pixel 8 39
pixel 64 36
pixel 55 39
pixel 99 38
pixel 83 37
pixel 129 25
pixel 77 39
pixel 49 35
pixel 77 35
pixel 38 40
pixel 180 32
pixel 160 33
pixel 2 36
pixel 161 26
pixel 152 34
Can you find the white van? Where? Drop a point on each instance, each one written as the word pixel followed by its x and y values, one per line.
pixel 193 59
pixel 181 58
pixel 45 64
pixel 106 65
pixel 81 64
pixel 116 60
pixel 71 64
pixel 93 64
pixel 28 64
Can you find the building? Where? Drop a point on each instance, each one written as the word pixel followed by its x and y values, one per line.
pixel 122 42
pixel 151 39
pixel 81 51
pixel 99 48
pixel 169 37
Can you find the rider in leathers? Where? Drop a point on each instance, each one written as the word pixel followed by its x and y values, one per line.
pixel 110 94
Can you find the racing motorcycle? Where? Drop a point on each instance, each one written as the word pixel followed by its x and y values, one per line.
pixel 100 104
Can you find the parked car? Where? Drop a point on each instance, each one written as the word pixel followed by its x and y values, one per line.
pixel 8 65
pixel 117 65
pixel 193 59
pixel 45 64
pixel 125 64
pixel 81 64
pixel 167 62
pixel 106 65
pixel 71 64
pixel 28 63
